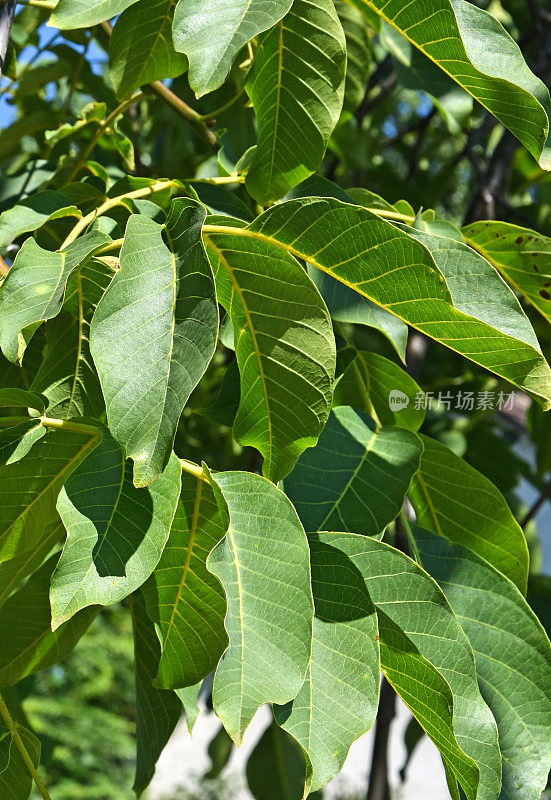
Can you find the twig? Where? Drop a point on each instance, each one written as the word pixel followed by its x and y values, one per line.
pixel 544 496
pixel 378 788
pixel 13 727
pixel 192 117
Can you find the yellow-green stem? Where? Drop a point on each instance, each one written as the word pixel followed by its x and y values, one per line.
pixel 13 727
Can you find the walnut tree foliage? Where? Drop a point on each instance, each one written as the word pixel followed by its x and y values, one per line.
pixel 231 234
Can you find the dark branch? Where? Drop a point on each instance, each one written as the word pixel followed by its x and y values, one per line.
pixel 6 16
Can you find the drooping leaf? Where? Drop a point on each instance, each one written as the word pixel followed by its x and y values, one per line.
pixel 29 489
pixel 428 660
pixel 141 49
pixel 35 286
pixel 356 477
pixel 85 13
pixel 236 22
pixel 296 87
pixel 33 212
pixel 183 598
pixel 339 699
pixel 157 710
pixel 457 502
pixel 67 376
pixel 29 645
pixel 115 532
pixel 263 565
pixel 373 381
pixel 189 696
pixel 275 768
pixel 513 659
pixel 15 779
pixel 219 751
pixel 19 398
pixel 397 272
pixel 463 40
pixel 521 255
pixel 154 333
pixel 285 349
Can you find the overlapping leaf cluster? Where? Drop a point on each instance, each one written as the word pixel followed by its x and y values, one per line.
pixel 288 584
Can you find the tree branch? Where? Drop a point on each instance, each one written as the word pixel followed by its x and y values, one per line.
pixel 378 788
pixel 6 15
pixel 544 496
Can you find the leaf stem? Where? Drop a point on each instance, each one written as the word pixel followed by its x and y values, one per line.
pixel 102 127
pixel 13 727
pixel 112 202
pixel 49 5
pixel 193 469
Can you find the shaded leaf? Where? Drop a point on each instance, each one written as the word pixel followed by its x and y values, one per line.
pixel 183 597
pixel 457 502
pixel 67 376
pixel 15 779
pixel 263 565
pixel 157 710
pixel 219 751
pixel 236 22
pixel 29 489
pixel 356 477
pixel 19 398
pixel 115 532
pixel 358 51
pixel 29 645
pixel 153 334
pixel 275 768
pixel 373 382
pixel 513 659
pixel 33 212
pixel 17 440
pixel 296 86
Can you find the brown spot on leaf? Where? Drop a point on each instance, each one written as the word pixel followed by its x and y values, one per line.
pixel 519 240
pixel 545 294
pixel 535 267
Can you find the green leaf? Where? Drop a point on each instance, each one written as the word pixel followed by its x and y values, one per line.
pixel 356 477
pixel 474 49
pixel 17 440
pixel 15 779
pixel 457 502
pixel 428 660
pixel 339 699
pixel 33 212
pixel 141 49
pixel 34 288
pixel 189 697
pixel 29 489
pixel 358 51
pixel 157 710
pixel 236 22
pixel 397 272
pixel 115 532
pixel 28 643
pixel 154 333
pixel 183 598
pixel 263 565
pixel 275 768
pixel 17 569
pixel 346 305
pixel 372 382
pixel 67 376
pixel 513 659
pixel 19 398
pixel 219 751
pixel 285 349
pixel 296 86
pixel 85 13
pixel 521 255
